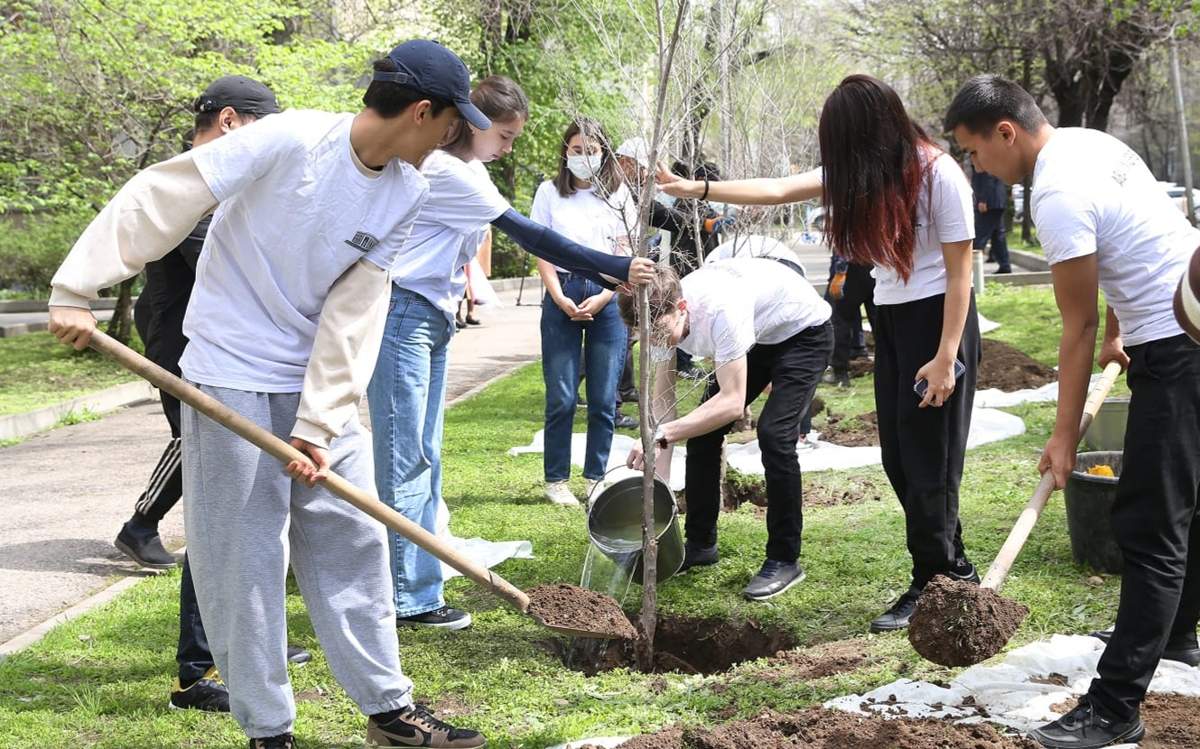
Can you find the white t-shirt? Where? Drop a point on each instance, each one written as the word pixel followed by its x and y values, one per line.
pixel 296 212
pixel 446 235
pixel 602 224
pixel 734 304
pixel 945 214
pixel 1093 194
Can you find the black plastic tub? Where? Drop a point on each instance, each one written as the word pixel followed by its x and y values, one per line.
pixel 1089 501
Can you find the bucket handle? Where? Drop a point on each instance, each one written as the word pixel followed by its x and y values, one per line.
pixel 612 470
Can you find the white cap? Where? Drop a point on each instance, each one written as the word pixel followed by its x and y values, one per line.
pixel 636 149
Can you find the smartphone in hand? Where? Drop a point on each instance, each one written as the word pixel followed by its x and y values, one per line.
pixel 922 385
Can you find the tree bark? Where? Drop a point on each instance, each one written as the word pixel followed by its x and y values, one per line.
pixel 120 326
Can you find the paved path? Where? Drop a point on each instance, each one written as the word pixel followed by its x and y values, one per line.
pixel 64 493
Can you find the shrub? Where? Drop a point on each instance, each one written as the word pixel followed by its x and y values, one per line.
pixel 32 248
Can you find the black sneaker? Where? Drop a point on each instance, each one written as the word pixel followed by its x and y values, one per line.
pixel 207 694
pixel 416 726
pixel 629 396
pixel 297 655
pixel 698 556
pixel 143 546
pixel 1085 728
pixel 443 618
pixel 897 616
pixel 965 572
pixel 1181 653
pixel 282 741
pixel 625 422
pixel 774 578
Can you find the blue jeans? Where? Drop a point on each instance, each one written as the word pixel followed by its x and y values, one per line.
pixel 406 399
pixel 600 343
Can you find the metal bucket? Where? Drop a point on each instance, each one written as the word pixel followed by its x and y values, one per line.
pixel 1107 432
pixel 615 526
pixel 1089 500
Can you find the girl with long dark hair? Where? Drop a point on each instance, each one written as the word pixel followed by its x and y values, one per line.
pixel 899 203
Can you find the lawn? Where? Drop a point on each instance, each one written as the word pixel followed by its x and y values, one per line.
pixel 36 371
pixel 103 680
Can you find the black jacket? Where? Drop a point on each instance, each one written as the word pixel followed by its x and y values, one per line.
pixel 164 299
pixel 989 190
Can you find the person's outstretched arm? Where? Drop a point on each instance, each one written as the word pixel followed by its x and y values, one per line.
pixel 547 244
pixel 763 191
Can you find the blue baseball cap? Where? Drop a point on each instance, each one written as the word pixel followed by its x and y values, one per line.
pixel 430 68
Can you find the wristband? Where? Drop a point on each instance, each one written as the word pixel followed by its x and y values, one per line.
pixel 705 195
pixel 660 439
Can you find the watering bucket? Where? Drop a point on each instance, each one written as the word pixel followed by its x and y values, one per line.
pixel 1089 501
pixel 615 526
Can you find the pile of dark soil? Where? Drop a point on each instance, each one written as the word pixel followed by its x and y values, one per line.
pixel 842 489
pixel 577 608
pixel 817 662
pixel 1003 367
pixel 960 624
pixel 851 431
pixel 1008 369
pixel 682 644
pixel 832 729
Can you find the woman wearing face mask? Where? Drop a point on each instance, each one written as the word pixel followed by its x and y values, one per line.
pixel 587 202
pixel 407 393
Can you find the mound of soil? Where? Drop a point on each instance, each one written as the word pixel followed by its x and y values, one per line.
pixel 832 729
pixel 851 431
pixel 682 644
pixel 960 624
pixel 805 664
pixel 1005 368
pixel 844 489
pixel 577 608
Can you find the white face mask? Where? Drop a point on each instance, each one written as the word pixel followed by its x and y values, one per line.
pixel 585 167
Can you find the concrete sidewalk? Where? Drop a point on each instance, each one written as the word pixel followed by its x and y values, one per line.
pixel 66 492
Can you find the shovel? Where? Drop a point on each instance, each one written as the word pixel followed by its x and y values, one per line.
pixel 573 619
pixel 958 624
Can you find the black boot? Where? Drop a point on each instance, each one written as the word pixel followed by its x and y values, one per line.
pixel 1181 652
pixel 141 543
pixel 698 556
pixel 897 616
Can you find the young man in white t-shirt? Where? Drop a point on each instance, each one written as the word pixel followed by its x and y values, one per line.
pixel 1105 223
pixel 284 325
pixel 761 323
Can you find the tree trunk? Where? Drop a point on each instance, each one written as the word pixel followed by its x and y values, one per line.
pixel 120 326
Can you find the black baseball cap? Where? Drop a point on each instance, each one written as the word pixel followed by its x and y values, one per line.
pixel 245 95
pixel 429 68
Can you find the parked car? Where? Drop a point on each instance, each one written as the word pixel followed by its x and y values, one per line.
pixel 1178 193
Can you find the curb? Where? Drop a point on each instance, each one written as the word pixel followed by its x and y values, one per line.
pixel 1028 260
pixel 22 425
pixel 42 305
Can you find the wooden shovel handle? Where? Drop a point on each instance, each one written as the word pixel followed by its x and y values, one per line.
pixel 285 453
pixel 1033 509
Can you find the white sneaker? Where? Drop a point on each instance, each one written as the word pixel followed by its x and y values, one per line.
pixel 560 494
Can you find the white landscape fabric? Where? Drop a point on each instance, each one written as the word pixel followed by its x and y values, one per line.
pixel 1017 692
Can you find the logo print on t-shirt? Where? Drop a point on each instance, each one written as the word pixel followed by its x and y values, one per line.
pixel 363 242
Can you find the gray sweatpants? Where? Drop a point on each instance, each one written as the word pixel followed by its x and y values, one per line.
pixel 244 516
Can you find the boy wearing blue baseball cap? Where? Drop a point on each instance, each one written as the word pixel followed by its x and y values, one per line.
pixel 283 327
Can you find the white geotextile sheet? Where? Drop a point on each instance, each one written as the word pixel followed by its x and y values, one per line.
pixel 987 425
pixel 993 398
pixel 1017 692
pixel 478 550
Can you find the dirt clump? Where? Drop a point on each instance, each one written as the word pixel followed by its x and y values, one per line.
pixel 851 431
pixel 681 644
pixel 805 664
pixel 1008 369
pixel 1172 722
pixel 831 729
pixel 572 607
pixel 960 624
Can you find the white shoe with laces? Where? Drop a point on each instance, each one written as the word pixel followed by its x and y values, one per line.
pixel 560 494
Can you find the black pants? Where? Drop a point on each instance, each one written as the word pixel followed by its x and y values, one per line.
pixel 989 227
pixel 858 291
pixel 163 335
pixel 793 369
pixel 924 448
pixel 1153 519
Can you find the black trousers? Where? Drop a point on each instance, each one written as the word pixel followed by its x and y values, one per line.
pixel 163 335
pixel 924 448
pixel 989 227
pixel 858 291
pixel 792 368
pixel 1154 520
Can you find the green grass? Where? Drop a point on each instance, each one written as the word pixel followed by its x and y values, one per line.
pixel 36 371
pixel 102 680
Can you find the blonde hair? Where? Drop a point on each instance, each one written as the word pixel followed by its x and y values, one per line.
pixel 664 291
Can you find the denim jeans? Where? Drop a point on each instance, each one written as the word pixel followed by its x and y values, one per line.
pixel 600 344
pixel 406 400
